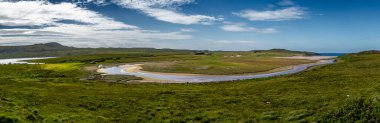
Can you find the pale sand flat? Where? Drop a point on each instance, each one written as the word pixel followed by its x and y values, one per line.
pixel 135 68
pixel 102 70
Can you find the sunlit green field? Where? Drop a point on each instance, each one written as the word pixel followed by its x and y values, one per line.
pixel 224 64
pixel 346 91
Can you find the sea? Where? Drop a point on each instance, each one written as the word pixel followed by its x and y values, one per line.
pixel 332 54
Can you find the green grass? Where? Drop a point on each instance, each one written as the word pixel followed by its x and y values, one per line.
pixel 359 110
pixel 58 50
pixel 62 66
pixel 223 66
pixel 120 58
pixel 32 93
pixel 119 78
pixel 219 63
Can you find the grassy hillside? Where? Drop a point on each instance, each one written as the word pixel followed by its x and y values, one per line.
pixel 48 49
pixel 285 51
pixel 182 61
pixel 217 63
pixel 57 50
pixel 347 91
pixel 226 63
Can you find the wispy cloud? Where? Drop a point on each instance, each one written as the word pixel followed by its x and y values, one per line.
pixel 286 3
pixel 165 10
pixel 242 27
pixel 46 14
pixel 71 24
pixel 188 30
pixel 290 13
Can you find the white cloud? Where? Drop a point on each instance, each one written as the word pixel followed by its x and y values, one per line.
pixel 188 30
pixel 242 27
pixel 286 3
pixel 291 13
pixel 165 10
pixel 47 14
pixel 157 3
pixel 83 27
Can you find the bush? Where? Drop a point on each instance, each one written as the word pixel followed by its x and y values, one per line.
pixel 5 119
pixel 357 110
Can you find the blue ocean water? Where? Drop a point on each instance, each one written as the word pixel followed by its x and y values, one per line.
pixel 332 54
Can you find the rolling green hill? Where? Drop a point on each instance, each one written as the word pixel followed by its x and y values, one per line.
pixel 54 49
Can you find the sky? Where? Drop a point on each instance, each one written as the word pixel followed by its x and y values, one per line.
pixel 339 26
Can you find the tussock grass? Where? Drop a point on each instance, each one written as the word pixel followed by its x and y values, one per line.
pixel 29 93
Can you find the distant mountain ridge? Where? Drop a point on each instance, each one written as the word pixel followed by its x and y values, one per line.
pixel 47 47
pixel 54 49
pixel 52 44
pixel 285 50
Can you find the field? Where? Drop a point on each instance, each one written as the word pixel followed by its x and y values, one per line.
pixel 346 91
pixel 218 63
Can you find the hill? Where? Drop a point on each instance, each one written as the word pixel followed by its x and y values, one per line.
pixel 35 50
pixel 48 47
pixel 347 91
pixel 287 51
pixel 54 49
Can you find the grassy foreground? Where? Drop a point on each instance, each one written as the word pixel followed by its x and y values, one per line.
pixel 347 91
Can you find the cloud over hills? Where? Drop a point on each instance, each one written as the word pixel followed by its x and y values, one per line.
pixel 42 21
pixel 242 27
pixel 140 23
pixel 165 10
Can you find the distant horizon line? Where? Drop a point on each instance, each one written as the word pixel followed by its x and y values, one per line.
pixel 182 49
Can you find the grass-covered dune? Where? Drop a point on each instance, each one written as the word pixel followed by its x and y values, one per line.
pixel 347 91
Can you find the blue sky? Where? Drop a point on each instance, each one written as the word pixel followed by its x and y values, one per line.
pixel 309 25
